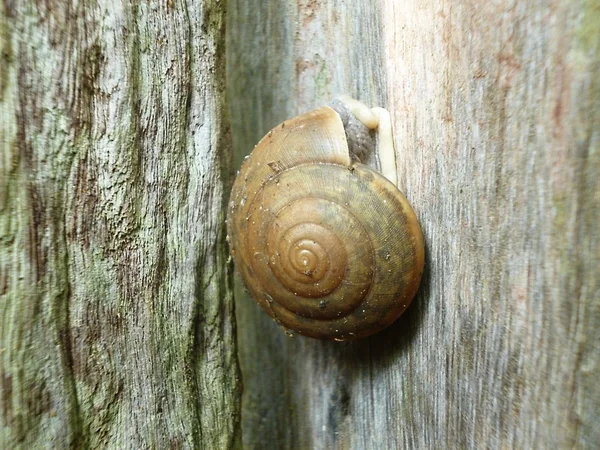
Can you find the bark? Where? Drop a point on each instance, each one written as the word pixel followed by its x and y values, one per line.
pixel 496 109
pixel 116 315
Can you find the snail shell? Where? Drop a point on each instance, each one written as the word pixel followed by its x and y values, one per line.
pixel 328 246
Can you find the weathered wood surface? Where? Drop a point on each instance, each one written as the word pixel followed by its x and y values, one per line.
pixel 496 113
pixel 116 314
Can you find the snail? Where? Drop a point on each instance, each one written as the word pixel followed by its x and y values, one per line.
pixel 322 238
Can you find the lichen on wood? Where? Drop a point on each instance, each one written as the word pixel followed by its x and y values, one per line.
pixel 116 315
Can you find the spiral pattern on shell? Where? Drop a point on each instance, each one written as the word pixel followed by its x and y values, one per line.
pixel 329 248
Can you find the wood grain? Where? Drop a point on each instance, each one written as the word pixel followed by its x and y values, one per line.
pixel 116 314
pixel 496 110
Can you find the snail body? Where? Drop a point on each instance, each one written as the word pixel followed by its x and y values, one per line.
pixel 328 246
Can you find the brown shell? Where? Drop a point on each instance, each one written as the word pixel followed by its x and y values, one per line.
pixel 329 248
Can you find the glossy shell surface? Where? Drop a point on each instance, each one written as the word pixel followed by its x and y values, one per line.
pixel 329 248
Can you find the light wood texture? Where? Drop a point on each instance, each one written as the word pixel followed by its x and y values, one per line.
pixel 496 118
pixel 116 313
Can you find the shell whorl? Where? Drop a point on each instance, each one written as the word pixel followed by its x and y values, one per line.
pixel 328 247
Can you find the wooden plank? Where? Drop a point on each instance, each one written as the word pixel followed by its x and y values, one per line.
pixel 496 118
pixel 116 314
